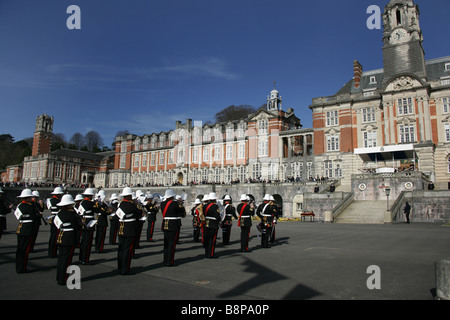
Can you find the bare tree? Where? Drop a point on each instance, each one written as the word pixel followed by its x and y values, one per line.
pixel 77 141
pixel 93 141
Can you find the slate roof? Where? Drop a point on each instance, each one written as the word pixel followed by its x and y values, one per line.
pixel 435 69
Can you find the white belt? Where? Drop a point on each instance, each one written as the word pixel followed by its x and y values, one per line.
pixel 228 215
pixel 70 229
pixel 266 215
pixel 172 218
pixel 127 220
pixel 245 216
pixel 26 221
pixel 89 217
pixel 211 218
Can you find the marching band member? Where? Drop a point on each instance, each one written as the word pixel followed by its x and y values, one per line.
pixel 26 213
pixel 39 204
pixel 87 210
pixel 113 218
pixel 245 211
pixel 172 213
pixel 152 208
pixel 276 216
pixel 51 205
pixel 5 208
pixel 266 213
pixel 227 221
pixel 129 214
pixel 68 223
pixel 102 222
pixel 212 215
pixel 196 222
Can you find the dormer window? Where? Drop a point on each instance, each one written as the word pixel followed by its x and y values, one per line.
pixel 447 66
pixel 373 80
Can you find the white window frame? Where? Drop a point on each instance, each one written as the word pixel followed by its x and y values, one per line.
pixel 407 132
pixel 333 142
pixel 370 138
pixel 446 105
pixel 406 106
pixel 241 152
pixel 229 152
pixel 206 153
pixel 447 132
pixel 332 118
pixel 368 115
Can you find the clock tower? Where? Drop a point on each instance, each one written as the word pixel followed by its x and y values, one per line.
pixel 402 40
pixel 43 135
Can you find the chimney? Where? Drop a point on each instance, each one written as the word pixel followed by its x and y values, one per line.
pixel 357 72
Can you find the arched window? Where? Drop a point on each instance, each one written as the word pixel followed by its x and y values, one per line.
pixel 399 17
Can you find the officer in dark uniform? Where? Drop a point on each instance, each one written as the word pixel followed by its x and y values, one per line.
pixel 212 223
pixel 40 208
pixel 152 209
pixel 266 213
pixel 87 210
pixel 102 222
pixel 5 208
pixel 113 218
pixel 245 212
pixel 129 214
pixel 51 205
pixel 68 223
pixel 172 213
pixel 26 213
pixel 277 215
pixel 227 222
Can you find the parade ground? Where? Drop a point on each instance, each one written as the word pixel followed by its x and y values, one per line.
pixel 308 261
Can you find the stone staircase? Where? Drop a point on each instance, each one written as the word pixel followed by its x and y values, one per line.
pixel 363 212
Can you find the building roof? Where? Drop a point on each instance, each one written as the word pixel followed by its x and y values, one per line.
pixel 373 80
pixel 82 154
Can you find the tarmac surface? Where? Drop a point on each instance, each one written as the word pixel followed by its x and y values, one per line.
pixel 308 261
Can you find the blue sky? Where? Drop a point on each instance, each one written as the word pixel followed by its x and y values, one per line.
pixel 141 65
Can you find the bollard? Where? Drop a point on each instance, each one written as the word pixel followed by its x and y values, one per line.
pixel 328 216
pixel 443 280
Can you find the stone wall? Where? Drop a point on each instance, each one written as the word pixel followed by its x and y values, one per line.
pixel 427 206
pixel 367 186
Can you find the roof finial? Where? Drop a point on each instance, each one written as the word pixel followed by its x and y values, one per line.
pixel 274 84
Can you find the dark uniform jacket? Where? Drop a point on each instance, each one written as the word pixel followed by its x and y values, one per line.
pixel 87 210
pixel 266 212
pixel 53 207
pixel 26 213
pixel 102 215
pixel 69 228
pixel 230 212
pixel 245 212
pixel 172 213
pixel 152 209
pixel 40 209
pixel 4 207
pixel 212 215
pixel 129 214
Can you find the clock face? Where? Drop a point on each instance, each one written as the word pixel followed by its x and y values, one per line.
pixel 399 35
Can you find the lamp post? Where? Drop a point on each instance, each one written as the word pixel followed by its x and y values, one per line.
pixel 388 192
